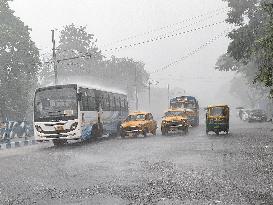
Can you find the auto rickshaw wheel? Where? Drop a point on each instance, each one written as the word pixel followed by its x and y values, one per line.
pixel 154 132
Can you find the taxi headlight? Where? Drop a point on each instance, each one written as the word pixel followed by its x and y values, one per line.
pixel 74 126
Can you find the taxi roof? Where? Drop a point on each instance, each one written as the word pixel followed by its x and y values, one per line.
pixel 220 105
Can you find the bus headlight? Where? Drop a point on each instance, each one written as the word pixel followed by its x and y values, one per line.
pixel 74 126
pixel 38 128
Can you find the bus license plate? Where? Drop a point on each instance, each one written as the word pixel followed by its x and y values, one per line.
pixel 59 128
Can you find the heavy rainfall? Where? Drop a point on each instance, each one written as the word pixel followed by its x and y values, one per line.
pixel 136 102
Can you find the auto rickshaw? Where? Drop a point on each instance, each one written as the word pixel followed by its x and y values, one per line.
pixel 217 119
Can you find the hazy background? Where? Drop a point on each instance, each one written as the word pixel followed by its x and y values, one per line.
pixel 111 21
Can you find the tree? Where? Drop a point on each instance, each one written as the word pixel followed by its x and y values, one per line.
pixel 79 59
pixel 19 65
pixel 252 39
pixel 76 42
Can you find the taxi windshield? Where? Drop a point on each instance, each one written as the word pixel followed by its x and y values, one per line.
pixel 136 117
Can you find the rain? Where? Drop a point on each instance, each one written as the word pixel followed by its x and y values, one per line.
pixel 136 102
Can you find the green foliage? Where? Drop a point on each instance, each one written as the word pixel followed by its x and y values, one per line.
pixel 74 42
pixel 19 64
pixel 227 63
pixel 250 51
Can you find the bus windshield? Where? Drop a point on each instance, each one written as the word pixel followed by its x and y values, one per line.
pixel 187 105
pixel 55 104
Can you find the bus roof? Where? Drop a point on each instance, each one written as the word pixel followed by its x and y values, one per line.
pixel 84 86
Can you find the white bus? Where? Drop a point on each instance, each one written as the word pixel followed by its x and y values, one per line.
pixel 74 112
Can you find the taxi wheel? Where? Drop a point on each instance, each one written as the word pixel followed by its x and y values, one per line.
pixel 186 130
pixel 145 131
pixel 122 135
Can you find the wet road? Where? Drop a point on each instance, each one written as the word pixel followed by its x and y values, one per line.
pixel 192 169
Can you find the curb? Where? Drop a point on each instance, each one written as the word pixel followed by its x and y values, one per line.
pixel 11 145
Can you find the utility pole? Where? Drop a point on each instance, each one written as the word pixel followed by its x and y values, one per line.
pixel 136 89
pixel 149 87
pixel 54 58
pixel 168 95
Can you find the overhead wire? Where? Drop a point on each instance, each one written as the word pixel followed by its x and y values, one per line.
pixel 166 27
pixel 158 38
pixel 191 53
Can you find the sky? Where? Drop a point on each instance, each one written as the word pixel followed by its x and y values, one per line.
pixel 139 20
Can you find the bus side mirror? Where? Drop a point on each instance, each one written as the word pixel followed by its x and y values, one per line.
pixel 79 96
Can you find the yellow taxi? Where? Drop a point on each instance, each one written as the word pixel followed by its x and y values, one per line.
pixel 138 123
pixel 175 120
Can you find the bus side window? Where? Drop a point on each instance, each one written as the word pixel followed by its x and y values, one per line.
pixel 108 102
pixel 122 104
pixel 125 104
pixel 102 102
pixel 112 102
pixel 119 101
pixel 105 99
pixel 84 102
pixel 91 103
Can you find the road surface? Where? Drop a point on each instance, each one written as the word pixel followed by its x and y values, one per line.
pixel 192 169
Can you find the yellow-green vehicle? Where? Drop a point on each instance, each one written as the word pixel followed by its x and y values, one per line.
pixel 175 121
pixel 217 119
